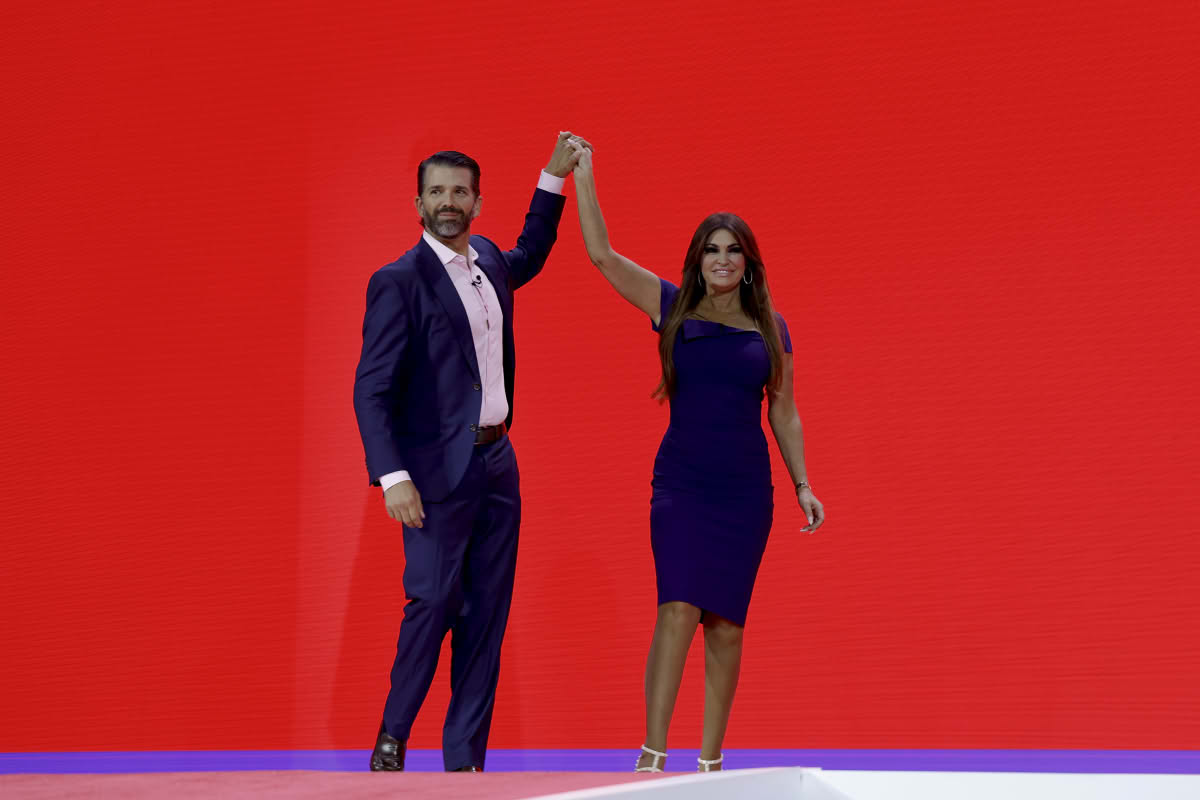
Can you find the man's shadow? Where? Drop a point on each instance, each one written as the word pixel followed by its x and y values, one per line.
pixel 374 608
pixel 370 625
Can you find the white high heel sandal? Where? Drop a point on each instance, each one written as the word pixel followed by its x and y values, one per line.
pixel 707 764
pixel 655 764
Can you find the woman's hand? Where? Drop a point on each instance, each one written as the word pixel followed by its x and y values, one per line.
pixel 813 510
pixel 583 155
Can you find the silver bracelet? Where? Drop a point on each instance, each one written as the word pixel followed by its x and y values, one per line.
pixel 803 485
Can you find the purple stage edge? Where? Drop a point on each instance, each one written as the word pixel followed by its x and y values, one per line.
pixel 1177 762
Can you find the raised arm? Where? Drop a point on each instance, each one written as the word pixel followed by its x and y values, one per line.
pixel 541 223
pixel 638 285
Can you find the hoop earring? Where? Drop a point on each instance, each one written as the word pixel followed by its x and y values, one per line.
pixel 744 274
pixel 699 280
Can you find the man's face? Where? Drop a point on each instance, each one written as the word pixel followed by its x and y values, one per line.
pixel 446 203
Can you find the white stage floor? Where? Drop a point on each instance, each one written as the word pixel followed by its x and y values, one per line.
pixel 815 784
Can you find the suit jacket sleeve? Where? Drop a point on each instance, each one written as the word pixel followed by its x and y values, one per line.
pixel 379 377
pixel 537 237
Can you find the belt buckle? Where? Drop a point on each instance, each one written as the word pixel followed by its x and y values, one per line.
pixel 489 434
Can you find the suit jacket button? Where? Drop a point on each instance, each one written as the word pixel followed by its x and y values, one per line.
pixel 477 387
pixel 472 426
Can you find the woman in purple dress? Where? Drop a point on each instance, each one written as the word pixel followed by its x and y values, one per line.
pixel 722 347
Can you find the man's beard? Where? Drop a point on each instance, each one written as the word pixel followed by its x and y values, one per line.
pixel 446 227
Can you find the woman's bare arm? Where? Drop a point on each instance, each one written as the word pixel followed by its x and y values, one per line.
pixel 789 434
pixel 636 284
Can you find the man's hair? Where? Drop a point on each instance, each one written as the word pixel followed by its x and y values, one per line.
pixel 449 158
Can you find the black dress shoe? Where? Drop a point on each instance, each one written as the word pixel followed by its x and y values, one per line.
pixel 388 755
pixel 468 768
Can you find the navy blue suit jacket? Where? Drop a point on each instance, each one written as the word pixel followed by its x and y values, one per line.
pixel 417 392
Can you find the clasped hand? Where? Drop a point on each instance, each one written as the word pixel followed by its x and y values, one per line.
pixel 566 154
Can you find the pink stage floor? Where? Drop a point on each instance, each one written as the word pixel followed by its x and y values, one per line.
pixel 305 784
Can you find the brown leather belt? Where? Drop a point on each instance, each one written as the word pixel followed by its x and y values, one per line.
pixel 489 434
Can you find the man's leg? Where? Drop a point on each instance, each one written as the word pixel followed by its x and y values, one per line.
pixel 433 582
pixel 488 572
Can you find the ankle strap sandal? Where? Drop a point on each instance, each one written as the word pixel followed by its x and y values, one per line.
pixel 655 764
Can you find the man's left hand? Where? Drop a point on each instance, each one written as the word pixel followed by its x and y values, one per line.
pixel 565 154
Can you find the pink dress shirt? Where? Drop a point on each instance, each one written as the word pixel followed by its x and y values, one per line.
pixel 487 326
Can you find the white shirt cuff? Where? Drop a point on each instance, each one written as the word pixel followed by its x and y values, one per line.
pixel 392 478
pixel 551 183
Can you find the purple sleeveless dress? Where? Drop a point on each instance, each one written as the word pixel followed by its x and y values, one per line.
pixel 711 509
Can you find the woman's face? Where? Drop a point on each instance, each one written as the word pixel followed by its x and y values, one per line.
pixel 723 262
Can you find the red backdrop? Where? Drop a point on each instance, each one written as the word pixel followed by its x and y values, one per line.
pixel 979 220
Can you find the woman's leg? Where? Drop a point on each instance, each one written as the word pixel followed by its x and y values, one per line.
pixel 673 632
pixel 722 663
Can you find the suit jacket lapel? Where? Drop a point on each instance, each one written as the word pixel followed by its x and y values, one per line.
pixel 435 274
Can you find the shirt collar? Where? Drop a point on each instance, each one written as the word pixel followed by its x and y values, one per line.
pixel 445 254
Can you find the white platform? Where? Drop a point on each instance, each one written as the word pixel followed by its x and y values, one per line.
pixel 796 783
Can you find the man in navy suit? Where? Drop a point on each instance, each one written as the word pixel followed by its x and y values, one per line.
pixel 433 395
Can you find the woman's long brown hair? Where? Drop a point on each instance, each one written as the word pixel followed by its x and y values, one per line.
pixel 756 300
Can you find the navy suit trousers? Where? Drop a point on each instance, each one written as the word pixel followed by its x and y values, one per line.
pixel 458 578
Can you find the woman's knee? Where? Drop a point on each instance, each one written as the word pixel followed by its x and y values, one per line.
pixel 721 633
pixel 677 614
